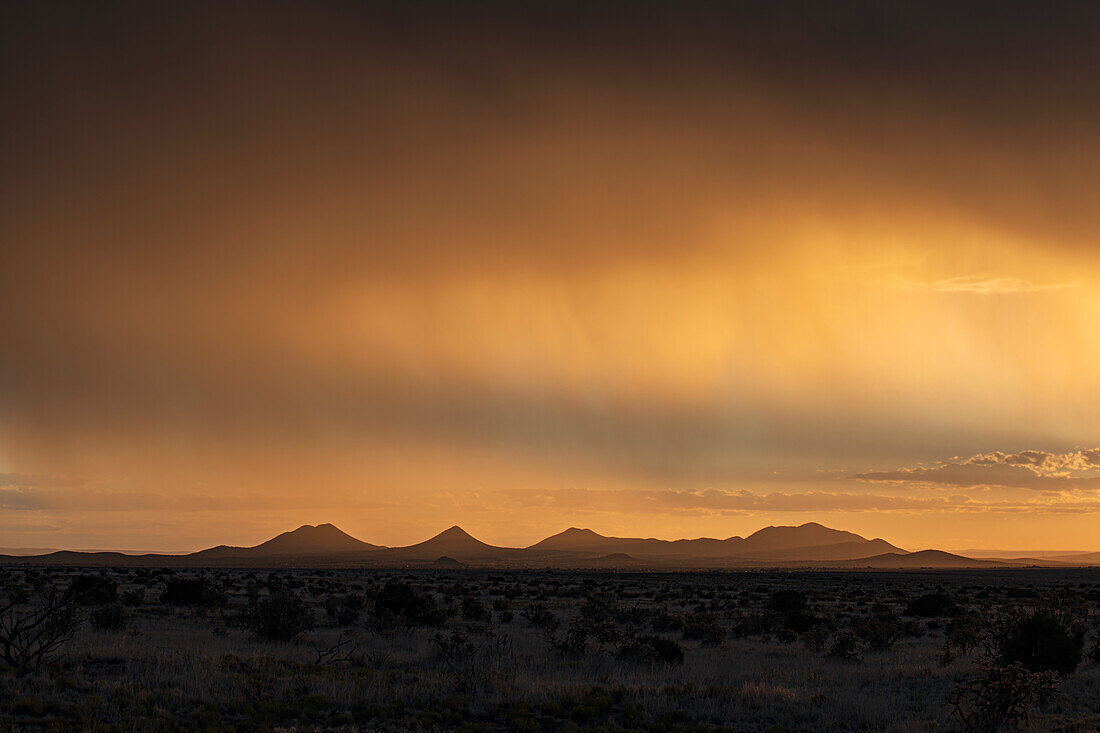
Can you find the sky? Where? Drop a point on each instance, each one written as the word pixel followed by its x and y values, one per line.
pixel 669 270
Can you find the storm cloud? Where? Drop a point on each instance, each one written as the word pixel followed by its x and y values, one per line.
pixel 417 255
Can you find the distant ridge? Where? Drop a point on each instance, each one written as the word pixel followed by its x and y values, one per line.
pixel 1009 554
pixel 809 545
pixel 48 550
pixel 922 559
pixel 806 541
pixel 1084 558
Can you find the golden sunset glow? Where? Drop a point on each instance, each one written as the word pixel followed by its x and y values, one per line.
pixel 261 270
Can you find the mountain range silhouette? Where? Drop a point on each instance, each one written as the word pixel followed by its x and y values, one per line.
pixel 325 545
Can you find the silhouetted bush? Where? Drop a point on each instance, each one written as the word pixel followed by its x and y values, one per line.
pixel 460 655
pixel 704 628
pixel 963 634
pixel 845 647
pixel 135 597
pixel 1000 697
pixel 1094 651
pixel 631 615
pixel 279 617
pixel 1025 653
pixel 344 610
pixel 541 617
pixel 34 629
pixel 1048 637
pixel 200 592
pixel 665 622
pixel 932 604
pixel 814 639
pixel 786 601
pixel 112 617
pixel 474 610
pixel 800 622
pixel 750 625
pixel 595 621
pixel 1041 642
pixel 92 590
pixel 399 603
pixel 879 630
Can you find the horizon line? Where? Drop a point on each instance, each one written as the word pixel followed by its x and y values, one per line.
pixel 968 550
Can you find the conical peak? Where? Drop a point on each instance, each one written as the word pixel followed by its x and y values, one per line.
pixel 319 528
pixel 313 539
pixel 454 535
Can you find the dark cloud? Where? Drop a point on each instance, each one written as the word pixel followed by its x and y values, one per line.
pixel 186 138
pixel 183 179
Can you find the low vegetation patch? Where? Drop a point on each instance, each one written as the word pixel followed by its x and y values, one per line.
pixel 280 616
pixel 441 650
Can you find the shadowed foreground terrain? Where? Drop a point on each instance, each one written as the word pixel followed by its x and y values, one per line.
pixel 224 649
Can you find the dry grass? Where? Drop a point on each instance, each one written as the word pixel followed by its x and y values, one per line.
pixel 175 670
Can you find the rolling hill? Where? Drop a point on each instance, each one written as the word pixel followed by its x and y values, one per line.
pixel 1082 558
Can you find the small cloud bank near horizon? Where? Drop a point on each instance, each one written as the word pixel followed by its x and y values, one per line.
pixel 1074 471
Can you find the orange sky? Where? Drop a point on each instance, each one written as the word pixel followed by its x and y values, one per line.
pixel 678 272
